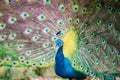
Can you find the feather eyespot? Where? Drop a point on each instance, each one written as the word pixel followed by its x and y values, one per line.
pixel 2 26
pixel 11 20
pixel 84 10
pixel 41 17
pixel 98 5
pixel 75 8
pixel 60 23
pixel 62 8
pixel 24 15
pixel 69 20
pixel 47 1
pixel 2 37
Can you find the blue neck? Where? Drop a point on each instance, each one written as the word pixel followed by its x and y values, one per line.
pixel 64 68
pixel 59 56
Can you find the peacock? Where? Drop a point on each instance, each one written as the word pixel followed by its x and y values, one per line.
pixel 81 38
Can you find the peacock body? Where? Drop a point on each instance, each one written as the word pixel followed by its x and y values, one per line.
pixel 89 30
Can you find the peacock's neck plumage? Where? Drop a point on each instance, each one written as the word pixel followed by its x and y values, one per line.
pixel 59 59
pixel 64 68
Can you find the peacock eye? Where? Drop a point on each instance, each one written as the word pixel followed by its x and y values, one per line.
pixel 77 21
pixel 97 47
pixel 7 59
pixel 22 61
pixel 110 9
pixel 8 45
pixel 92 73
pixel 27 62
pixel 60 23
pixel 85 41
pixel 84 11
pixel 28 53
pixel 46 30
pixel 97 61
pixel 81 67
pixel 89 50
pixel 75 8
pixel 12 36
pixel 106 55
pixel 2 26
pixel 10 0
pixel 62 8
pixel 85 26
pixel 112 50
pixel 74 60
pixel 69 20
pixel 87 70
pixel 11 20
pixel 47 1
pixel 43 60
pixel 35 38
pixel 28 31
pixel 98 5
pixel 14 63
pixel 20 47
pixel 54 38
pixel 113 62
pixel 74 64
pixel 41 17
pixel 34 64
pixel 103 41
pixel 45 45
pixel 21 57
pixel 2 36
pixel 110 26
pixel 40 64
pixel 99 22
pixel 24 15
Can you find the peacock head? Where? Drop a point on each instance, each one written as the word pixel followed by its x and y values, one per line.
pixel 59 43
